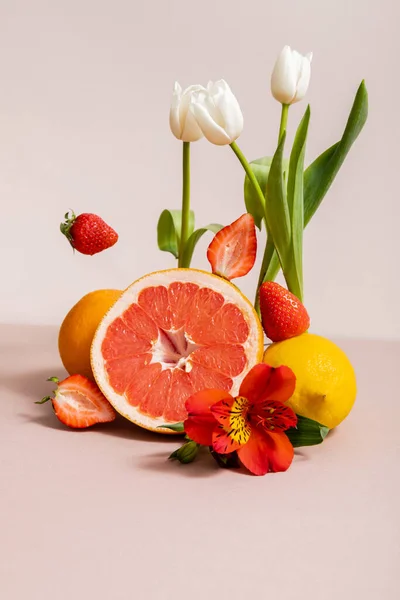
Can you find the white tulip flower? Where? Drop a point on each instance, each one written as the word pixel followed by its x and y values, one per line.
pixel 291 76
pixel 181 120
pixel 217 112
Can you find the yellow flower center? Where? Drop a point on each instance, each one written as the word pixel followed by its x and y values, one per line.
pixel 239 428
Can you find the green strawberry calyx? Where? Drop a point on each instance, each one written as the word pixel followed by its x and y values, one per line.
pixel 65 226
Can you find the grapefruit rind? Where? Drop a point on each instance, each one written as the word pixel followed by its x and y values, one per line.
pixel 253 346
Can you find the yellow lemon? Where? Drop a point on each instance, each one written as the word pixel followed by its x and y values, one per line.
pixel 325 379
pixel 78 329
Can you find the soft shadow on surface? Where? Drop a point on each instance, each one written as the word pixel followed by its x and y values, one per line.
pixel 203 466
pixel 121 427
pixel 299 455
pixel 32 386
pixel 125 429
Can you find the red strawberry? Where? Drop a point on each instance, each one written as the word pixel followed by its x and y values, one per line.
pixel 79 403
pixel 88 233
pixel 283 315
pixel 232 252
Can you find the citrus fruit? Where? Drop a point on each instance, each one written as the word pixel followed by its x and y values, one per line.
pixel 78 328
pixel 171 334
pixel 325 379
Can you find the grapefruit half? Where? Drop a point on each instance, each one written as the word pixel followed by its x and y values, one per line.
pixel 171 334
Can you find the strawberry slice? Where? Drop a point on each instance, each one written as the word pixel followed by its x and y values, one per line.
pixel 283 315
pixel 79 403
pixel 232 252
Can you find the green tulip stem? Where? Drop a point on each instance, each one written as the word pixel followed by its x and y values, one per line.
pixel 249 172
pixel 269 248
pixel 284 118
pixel 185 203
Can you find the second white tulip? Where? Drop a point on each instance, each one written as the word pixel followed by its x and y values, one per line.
pixel 217 113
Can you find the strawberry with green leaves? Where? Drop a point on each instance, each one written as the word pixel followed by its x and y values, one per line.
pixel 79 403
pixel 88 233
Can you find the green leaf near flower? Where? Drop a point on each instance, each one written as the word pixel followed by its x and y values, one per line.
pixel 295 189
pixel 169 230
pixel 306 433
pixel 319 176
pixel 195 237
pixel 178 427
pixel 277 210
pixel 260 168
pixel 186 453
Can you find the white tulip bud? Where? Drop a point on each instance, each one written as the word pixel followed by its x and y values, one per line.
pixel 217 112
pixel 291 76
pixel 181 120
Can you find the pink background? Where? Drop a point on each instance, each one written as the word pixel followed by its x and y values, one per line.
pixel 85 92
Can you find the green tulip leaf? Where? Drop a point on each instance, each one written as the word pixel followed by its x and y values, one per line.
pixel 306 433
pixel 319 176
pixel 194 238
pixel 169 230
pixel 260 168
pixel 295 189
pixel 277 210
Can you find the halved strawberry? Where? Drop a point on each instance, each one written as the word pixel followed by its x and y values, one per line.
pixel 79 403
pixel 283 315
pixel 232 252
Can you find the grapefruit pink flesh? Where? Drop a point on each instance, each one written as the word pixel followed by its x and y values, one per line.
pixel 175 339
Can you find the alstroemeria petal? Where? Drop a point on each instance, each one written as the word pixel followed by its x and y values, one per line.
pixel 200 429
pixel 264 453
pixel 200 403
pixel 233 429
pixel 200 423
pixel 255 383
pixel 281 385
pixel 272 416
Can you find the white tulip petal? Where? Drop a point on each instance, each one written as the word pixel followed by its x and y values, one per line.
pixel 191 131
pixel 174 116
pixel 229 109
pixel 303 81
pixel 284 77
pixel 183 124
pixel 210 128
pixel 205 98
pixel 193 88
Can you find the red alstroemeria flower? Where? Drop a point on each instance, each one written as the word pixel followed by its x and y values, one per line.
pixel 252 424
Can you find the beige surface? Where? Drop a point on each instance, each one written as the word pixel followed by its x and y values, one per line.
pixel 102 515
pixel 85 93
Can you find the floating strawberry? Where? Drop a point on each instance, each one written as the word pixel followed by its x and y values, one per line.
pixel 88 233
pixel 79 403
pixel 232 252
pixel 283 315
